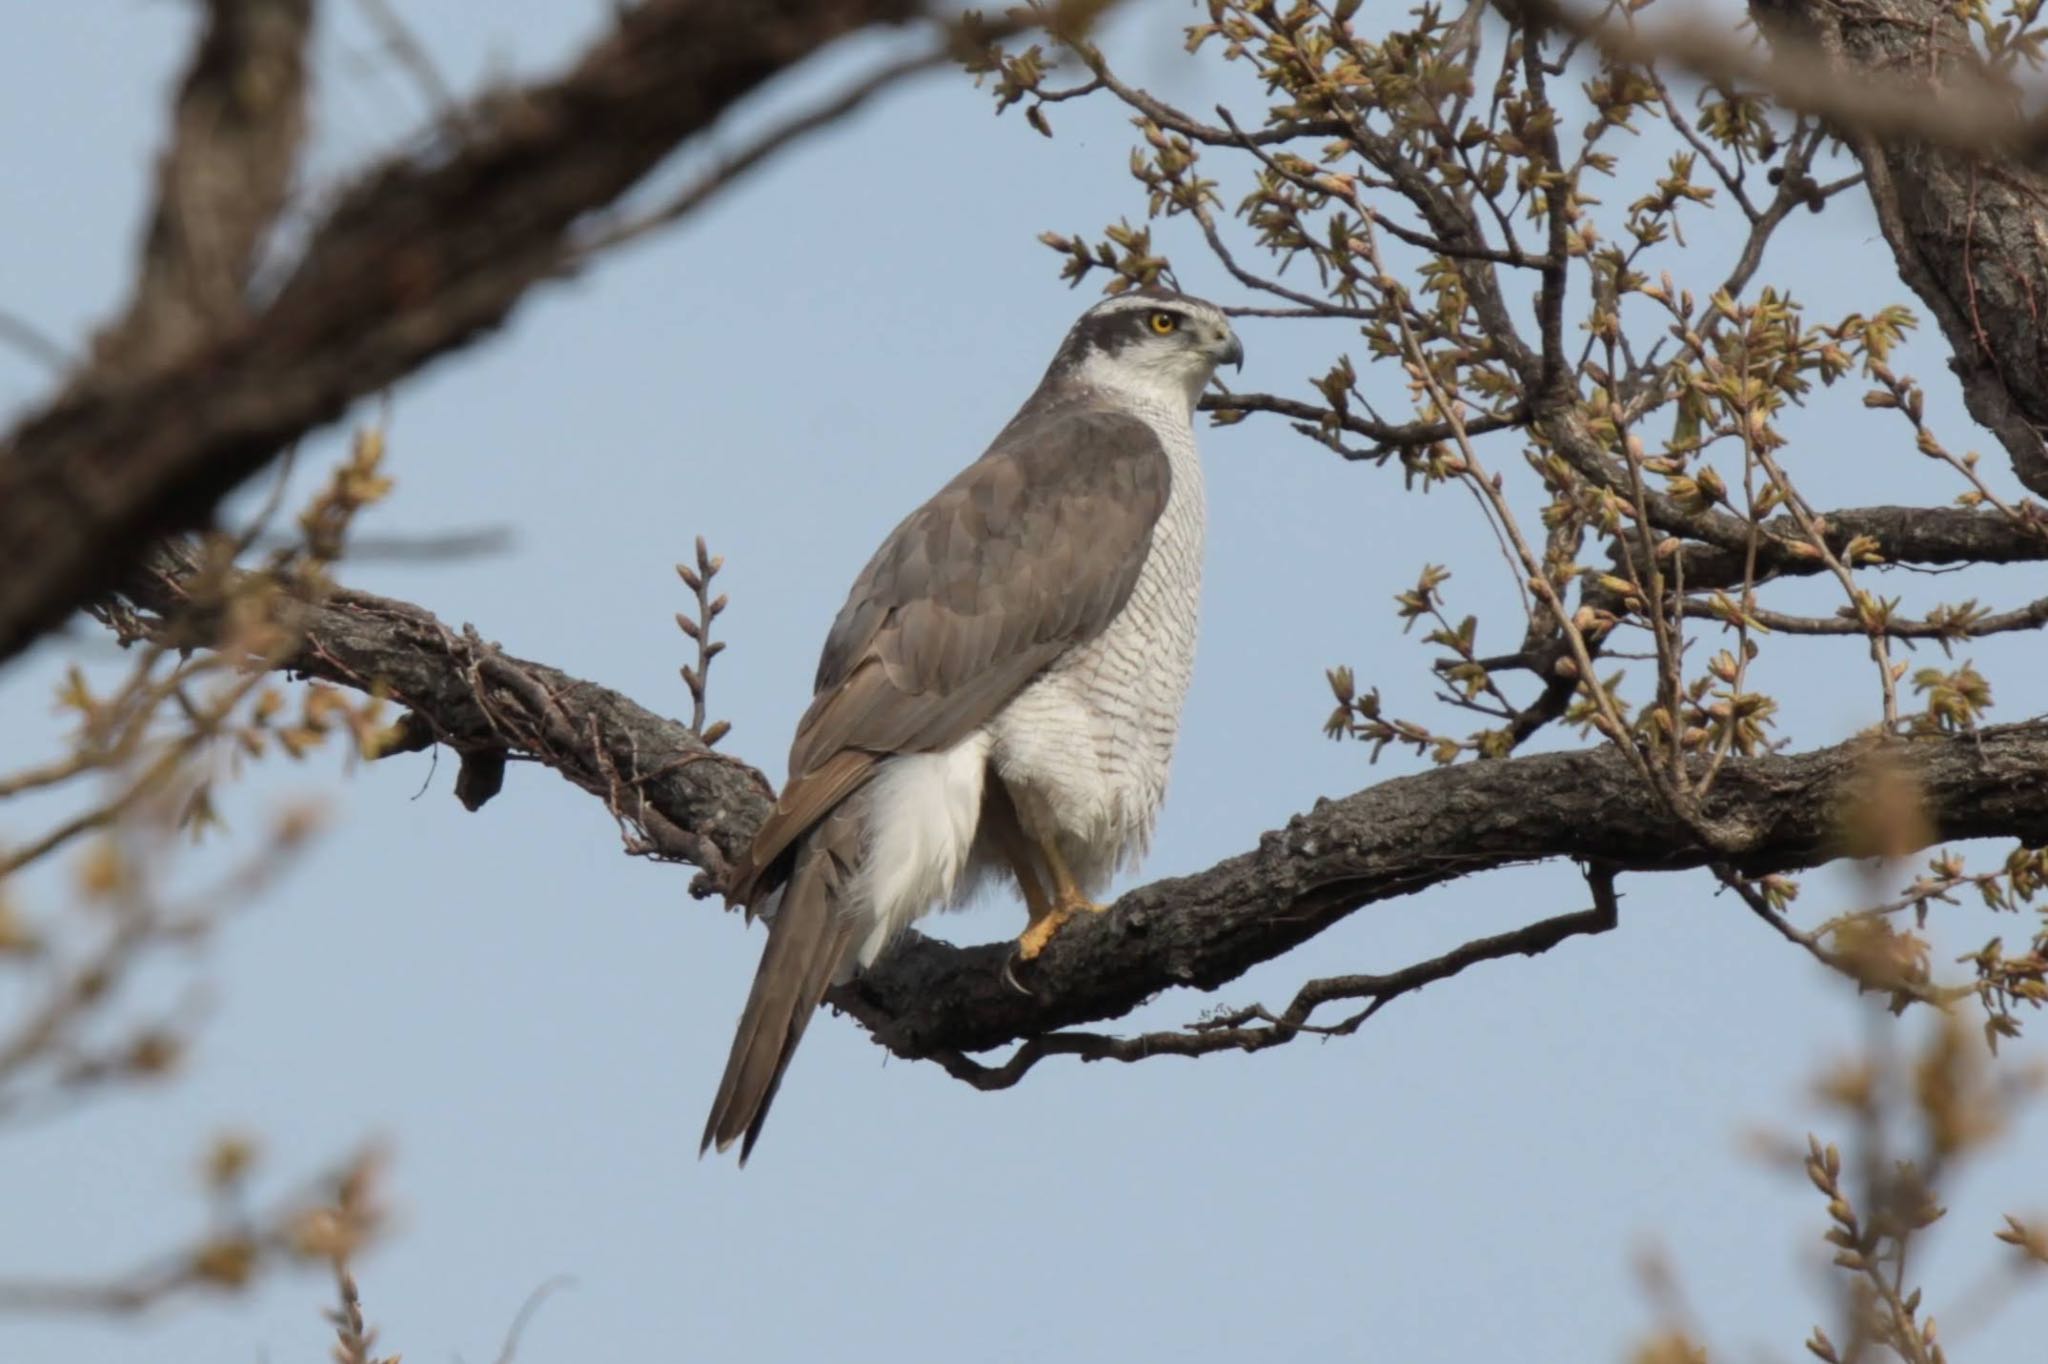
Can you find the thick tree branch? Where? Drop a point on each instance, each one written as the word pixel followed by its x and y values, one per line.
pixel 1968 227
pixel 1392 839
pixel 1413 832
pixel 682 800
pixel 422 256
pixel 1256 1028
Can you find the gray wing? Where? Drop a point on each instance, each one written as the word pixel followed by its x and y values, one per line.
pixel 1030 550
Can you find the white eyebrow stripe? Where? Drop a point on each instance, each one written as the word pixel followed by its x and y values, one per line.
pixel 1131 303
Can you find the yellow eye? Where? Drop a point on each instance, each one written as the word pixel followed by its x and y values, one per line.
pixel 1164 324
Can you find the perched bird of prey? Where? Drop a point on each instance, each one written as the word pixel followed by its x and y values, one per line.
pixel 1002 689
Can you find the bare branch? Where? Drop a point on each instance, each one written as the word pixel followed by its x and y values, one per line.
pixel 37 344
pixel 527 1311
pixel 404 48
pixel 2031 616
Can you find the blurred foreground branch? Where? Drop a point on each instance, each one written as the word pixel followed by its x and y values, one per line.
pixel 199 384
pixel 326 1219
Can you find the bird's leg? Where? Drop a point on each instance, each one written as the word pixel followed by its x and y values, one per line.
pixel 1016 850
pixel 1067 901
pixel 999 817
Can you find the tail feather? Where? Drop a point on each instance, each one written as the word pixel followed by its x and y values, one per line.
pixel 809 938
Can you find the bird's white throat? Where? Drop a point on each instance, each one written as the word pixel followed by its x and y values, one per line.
pixel 1165 381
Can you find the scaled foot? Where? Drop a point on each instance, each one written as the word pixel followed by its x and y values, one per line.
pixel 1034 939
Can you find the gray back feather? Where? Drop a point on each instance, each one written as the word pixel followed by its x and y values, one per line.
pixel 1027 552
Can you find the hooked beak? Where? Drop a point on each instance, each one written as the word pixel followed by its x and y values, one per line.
pixel 1232 352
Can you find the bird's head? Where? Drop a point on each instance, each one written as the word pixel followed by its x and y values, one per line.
pixel 1149 341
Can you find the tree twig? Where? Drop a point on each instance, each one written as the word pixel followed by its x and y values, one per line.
pixel 1256 1028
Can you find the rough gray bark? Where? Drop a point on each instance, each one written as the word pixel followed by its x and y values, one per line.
pixel 1968 228
pixel 687 802
pixel 421 257
pixel 1396 838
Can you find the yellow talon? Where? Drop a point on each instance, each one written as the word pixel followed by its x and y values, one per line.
pixel 1033 940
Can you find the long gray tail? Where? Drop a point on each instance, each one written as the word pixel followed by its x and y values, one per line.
pixel 807 940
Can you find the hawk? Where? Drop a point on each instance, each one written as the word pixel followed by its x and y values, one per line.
pixel 1002 689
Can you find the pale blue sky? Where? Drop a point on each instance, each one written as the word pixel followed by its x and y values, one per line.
pixel 537 1022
